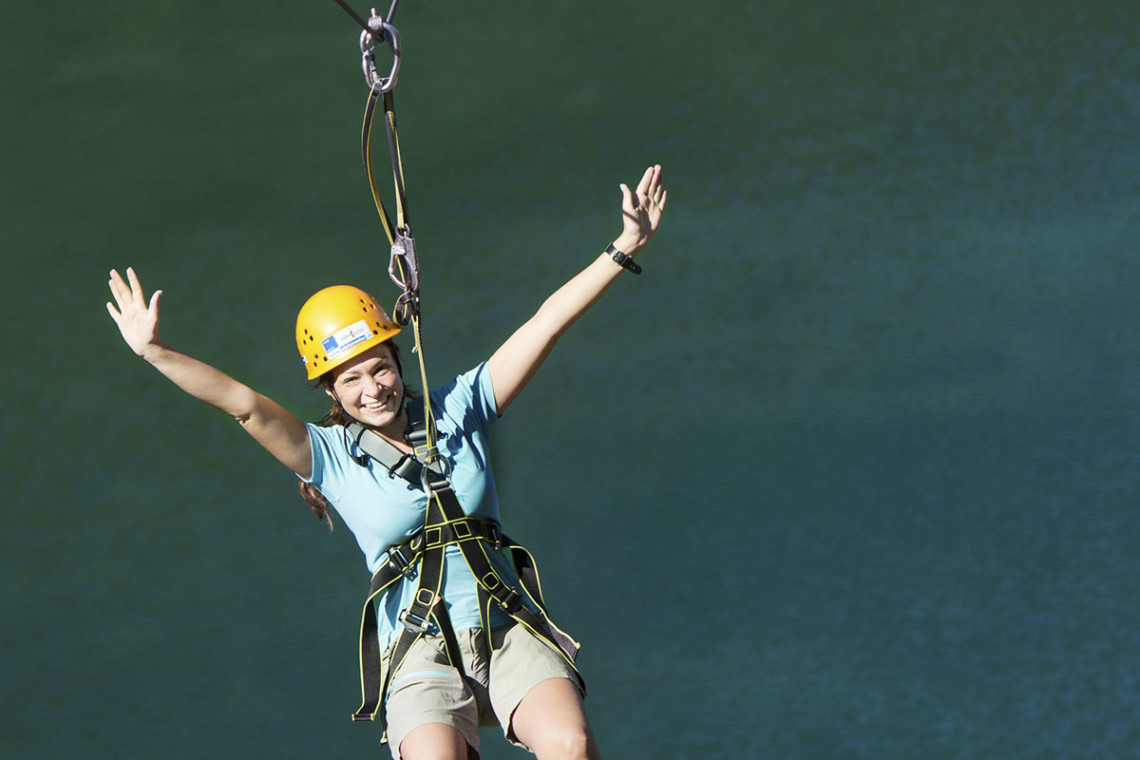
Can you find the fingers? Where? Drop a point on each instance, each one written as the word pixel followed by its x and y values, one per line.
pixel 650 190
pixel 118 291
pixel 115 281
pixel 650 184
pixel 125 291
pixel 119 287
pixel 657 189
pixel 136 288
pixel 627 199
pixel 130 299
pixel 647 180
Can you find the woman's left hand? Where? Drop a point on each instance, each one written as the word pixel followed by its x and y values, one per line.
pixel 641 211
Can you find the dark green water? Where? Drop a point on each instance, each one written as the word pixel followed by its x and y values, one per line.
pixel 850 472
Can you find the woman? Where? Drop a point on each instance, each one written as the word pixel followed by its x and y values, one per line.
pixel 515 679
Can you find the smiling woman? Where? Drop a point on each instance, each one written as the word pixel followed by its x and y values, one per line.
pixel 378 364
pixel 369 389
pixel 458 611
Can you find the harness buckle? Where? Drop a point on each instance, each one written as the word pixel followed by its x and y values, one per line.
pixel 414 622
pixel 388 33
pixel 511 601
pixel 398 562
pixel 432 480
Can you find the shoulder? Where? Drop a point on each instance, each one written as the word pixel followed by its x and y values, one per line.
pixel 470 391
pixel 330 449
pixel 326 434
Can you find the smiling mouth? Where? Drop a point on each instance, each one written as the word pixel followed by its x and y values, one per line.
pixel 382 404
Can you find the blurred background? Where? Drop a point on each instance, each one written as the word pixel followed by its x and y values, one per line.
pixel 850 471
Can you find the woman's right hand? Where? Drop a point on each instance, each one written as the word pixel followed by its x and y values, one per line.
pixel 136 317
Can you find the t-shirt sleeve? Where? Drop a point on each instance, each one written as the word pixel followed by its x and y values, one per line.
pixel 328 472
pixel 483 393
pixel 469 399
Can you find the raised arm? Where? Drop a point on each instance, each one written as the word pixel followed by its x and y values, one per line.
pixel 282 434
pixel 515 362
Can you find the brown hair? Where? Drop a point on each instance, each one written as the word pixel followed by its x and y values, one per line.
pixel 337 416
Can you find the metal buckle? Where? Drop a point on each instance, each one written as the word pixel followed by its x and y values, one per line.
pixel 430 480
pixel 398 562
pixel 413 622
pixel 494 534
pixel 512 601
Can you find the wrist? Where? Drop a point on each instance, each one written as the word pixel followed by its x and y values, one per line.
pixel 622 260
pixel 630 245
pixel 153 351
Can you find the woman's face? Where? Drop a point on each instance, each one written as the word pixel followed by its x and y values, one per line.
pixel 370 389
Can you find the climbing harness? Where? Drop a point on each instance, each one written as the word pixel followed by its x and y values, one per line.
pixel 421 558
pixel 423 554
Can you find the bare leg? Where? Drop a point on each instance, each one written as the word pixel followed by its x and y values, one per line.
pixel 433 741
pixel 551 721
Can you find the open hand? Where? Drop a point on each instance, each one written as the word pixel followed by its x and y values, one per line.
pixel 136 317
pixel 641 211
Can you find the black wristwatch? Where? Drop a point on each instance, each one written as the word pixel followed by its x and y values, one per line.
pixel 624 261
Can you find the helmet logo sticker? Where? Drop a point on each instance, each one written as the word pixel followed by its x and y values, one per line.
pixel 345 338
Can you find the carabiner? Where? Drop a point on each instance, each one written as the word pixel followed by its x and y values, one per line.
pixel 437 479
pixel 368 60
pixel 403 266
pixel 404 269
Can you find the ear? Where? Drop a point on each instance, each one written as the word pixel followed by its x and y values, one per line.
pixel 330 393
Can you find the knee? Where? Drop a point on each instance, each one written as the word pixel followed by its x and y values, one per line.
pixel 567 743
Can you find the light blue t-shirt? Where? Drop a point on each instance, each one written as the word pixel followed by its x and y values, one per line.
pixel 382 511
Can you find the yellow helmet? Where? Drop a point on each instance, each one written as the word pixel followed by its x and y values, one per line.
pixel 337 324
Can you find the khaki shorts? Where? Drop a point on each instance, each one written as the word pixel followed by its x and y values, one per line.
pixel 427 690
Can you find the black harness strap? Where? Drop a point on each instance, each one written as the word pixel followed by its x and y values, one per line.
pixel 421 557
pixel 445 525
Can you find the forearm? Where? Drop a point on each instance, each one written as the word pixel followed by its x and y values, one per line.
pixel 272 426
pixel 567 304
pixel 202 381
pixel 515 362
